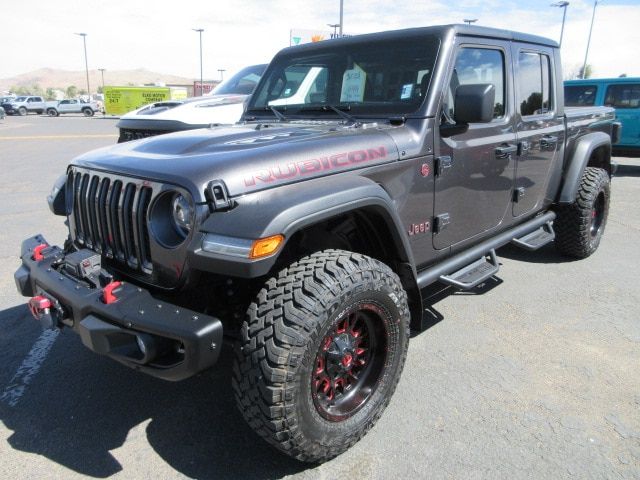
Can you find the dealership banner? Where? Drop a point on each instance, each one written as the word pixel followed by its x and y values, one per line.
pixel 120 100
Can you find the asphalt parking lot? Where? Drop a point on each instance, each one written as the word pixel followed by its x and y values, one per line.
pixel 535 376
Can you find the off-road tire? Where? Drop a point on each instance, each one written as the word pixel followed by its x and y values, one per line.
pixel 579 226
pixel 281 339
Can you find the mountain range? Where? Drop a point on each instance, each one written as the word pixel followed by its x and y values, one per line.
pixel 61 79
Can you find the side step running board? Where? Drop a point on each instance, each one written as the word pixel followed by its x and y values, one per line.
pixel 536 239
pixel 473 274
pixel 464 258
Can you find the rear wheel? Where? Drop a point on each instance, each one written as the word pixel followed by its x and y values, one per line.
pixel 87 112
pixel 579 226
pixel 321 352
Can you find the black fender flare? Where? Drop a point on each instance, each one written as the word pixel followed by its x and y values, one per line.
pixel 290 208
pixel 287 209
pixel 584 148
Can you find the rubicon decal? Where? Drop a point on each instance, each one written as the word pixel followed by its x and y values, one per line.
pixel 289 170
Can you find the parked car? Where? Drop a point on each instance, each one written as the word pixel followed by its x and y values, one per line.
pixel 223 105
pixel 24 105
pixel 308 232
pixel 623 94
pixel 88 109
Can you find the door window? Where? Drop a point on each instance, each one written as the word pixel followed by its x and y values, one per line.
pixel 534 80
pixel 580 95
pixel 623 96
pixel 479 65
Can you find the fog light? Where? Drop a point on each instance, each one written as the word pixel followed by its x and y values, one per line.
pixel 141 345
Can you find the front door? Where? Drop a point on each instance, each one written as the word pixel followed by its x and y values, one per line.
pixel 475 169
pixel 539 127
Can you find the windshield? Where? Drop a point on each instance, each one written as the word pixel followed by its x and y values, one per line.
pixel 383 77
pixel 242 83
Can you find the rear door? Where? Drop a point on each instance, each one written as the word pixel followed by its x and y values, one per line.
pixel 625 98
pixel 475 169
pixel 540 128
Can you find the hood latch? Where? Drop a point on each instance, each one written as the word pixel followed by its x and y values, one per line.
pixel 218 196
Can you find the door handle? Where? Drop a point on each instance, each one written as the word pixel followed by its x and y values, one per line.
pixel 548 141
pixel 523 148
pixel 503 151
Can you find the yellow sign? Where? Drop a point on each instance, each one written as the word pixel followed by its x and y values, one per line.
pixel 120 100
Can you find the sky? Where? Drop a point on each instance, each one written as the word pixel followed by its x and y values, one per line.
pixel 157 35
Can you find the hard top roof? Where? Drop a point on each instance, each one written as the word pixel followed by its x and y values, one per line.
pixel 437 30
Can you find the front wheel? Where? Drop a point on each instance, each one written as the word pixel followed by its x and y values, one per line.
pixel 22 111
pixel 52 112
pixel 579 226
pixel 321 353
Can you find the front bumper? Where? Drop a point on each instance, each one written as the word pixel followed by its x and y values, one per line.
pixel 176 342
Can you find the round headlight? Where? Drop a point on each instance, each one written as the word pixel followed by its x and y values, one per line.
pixel 182 212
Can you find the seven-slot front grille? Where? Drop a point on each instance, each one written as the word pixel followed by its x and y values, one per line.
pixel 109 216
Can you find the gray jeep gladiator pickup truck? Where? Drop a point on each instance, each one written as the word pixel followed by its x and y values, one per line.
pixel 310 229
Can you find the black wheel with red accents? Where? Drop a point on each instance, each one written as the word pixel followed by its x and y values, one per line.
pixel 322 350
pixel 579 226
pixel 349 362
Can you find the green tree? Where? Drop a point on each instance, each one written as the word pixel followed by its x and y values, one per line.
pixel 72 91
pixel 588 71
pixel 20 90
pixel 37 90
pixel 50 94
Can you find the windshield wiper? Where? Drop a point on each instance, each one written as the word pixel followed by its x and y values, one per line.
pixel 278 114
pixel 323 108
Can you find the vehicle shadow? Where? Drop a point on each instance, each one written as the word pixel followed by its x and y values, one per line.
pixel 80 407
pixel 628 171
pixel 546 254
pixel 437 292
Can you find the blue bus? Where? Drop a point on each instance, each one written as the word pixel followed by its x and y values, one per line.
pixel 623 94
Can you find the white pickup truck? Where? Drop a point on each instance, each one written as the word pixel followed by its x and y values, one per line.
pixel 24 105
pixel 88 109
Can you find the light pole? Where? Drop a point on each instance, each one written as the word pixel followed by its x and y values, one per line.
pixel 101 70
pixel 334 26
pixel 86 63
pixel 221 71
pixel 469 21
pixel 593 15
pixel 564 6
pixel 341 16
pixel 200 30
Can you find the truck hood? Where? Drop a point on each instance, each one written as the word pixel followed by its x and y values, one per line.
pixel 247 158
pixel 196 111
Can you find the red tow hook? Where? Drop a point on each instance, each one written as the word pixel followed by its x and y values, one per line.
pixel 108 296
pixel 39 306
pixel 37 252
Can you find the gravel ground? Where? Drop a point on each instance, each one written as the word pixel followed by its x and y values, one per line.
pixel 535 376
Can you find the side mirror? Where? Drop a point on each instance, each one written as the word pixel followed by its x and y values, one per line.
pixel 474 103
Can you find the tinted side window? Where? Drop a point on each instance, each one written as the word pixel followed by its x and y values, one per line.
pixel 580 95
pixel 623 96
pixel 534 80
pixel 479 65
